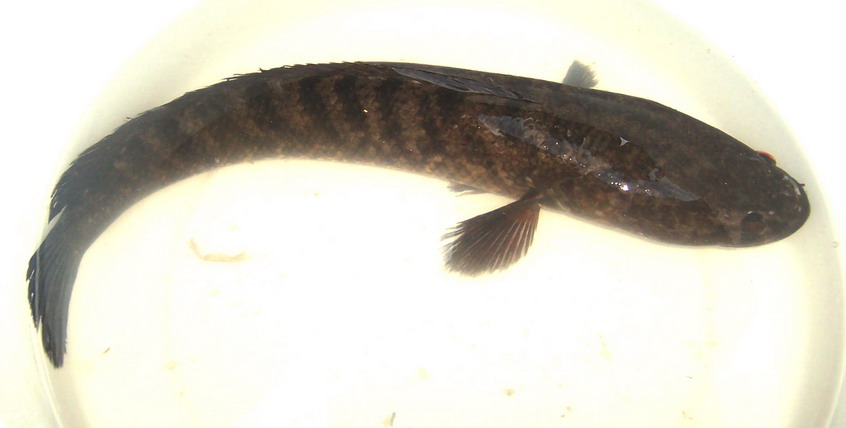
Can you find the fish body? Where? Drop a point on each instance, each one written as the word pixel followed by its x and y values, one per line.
pixel 618 160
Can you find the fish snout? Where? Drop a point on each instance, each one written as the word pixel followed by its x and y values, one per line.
pixel 787 213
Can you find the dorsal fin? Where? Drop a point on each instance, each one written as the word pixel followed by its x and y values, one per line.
pixel 459 83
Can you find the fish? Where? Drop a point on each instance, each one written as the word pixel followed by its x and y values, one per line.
pixel 617 160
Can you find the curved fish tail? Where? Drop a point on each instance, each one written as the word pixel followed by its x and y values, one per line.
pixel 51 274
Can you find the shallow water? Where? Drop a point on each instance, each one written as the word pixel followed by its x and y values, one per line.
pixel 333 308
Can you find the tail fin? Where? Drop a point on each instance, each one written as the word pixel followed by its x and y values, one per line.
pixel 51 274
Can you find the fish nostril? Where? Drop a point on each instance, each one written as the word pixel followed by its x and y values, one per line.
pixel 753 223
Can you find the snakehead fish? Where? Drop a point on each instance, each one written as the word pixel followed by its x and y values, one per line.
pixel 618 160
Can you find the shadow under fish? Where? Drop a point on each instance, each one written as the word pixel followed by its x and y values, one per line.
pixel 618 160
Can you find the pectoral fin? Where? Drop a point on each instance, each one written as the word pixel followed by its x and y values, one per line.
pixel 494 240
pixel 581 75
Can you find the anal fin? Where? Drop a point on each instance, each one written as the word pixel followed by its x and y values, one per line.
pixel 494 240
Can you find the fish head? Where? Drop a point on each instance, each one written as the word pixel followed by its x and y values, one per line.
pixel 715 192
pixel 730 196
pixel 757 202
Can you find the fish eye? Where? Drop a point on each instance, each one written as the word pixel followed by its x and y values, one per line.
pixel 753 223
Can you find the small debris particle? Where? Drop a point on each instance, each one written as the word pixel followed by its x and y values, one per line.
pixel 216 257
pixel 508 392
pixel 389 421
pixel 606 353
pixel 170 365
pixel 422 373
pixel 106 351
pixel 567 411
pixel 686 415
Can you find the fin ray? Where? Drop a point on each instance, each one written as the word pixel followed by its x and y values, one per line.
pixel 494 240
pixel 51 273
pixel 581 75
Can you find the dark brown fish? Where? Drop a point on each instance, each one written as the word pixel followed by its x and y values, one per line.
pixel 621 161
